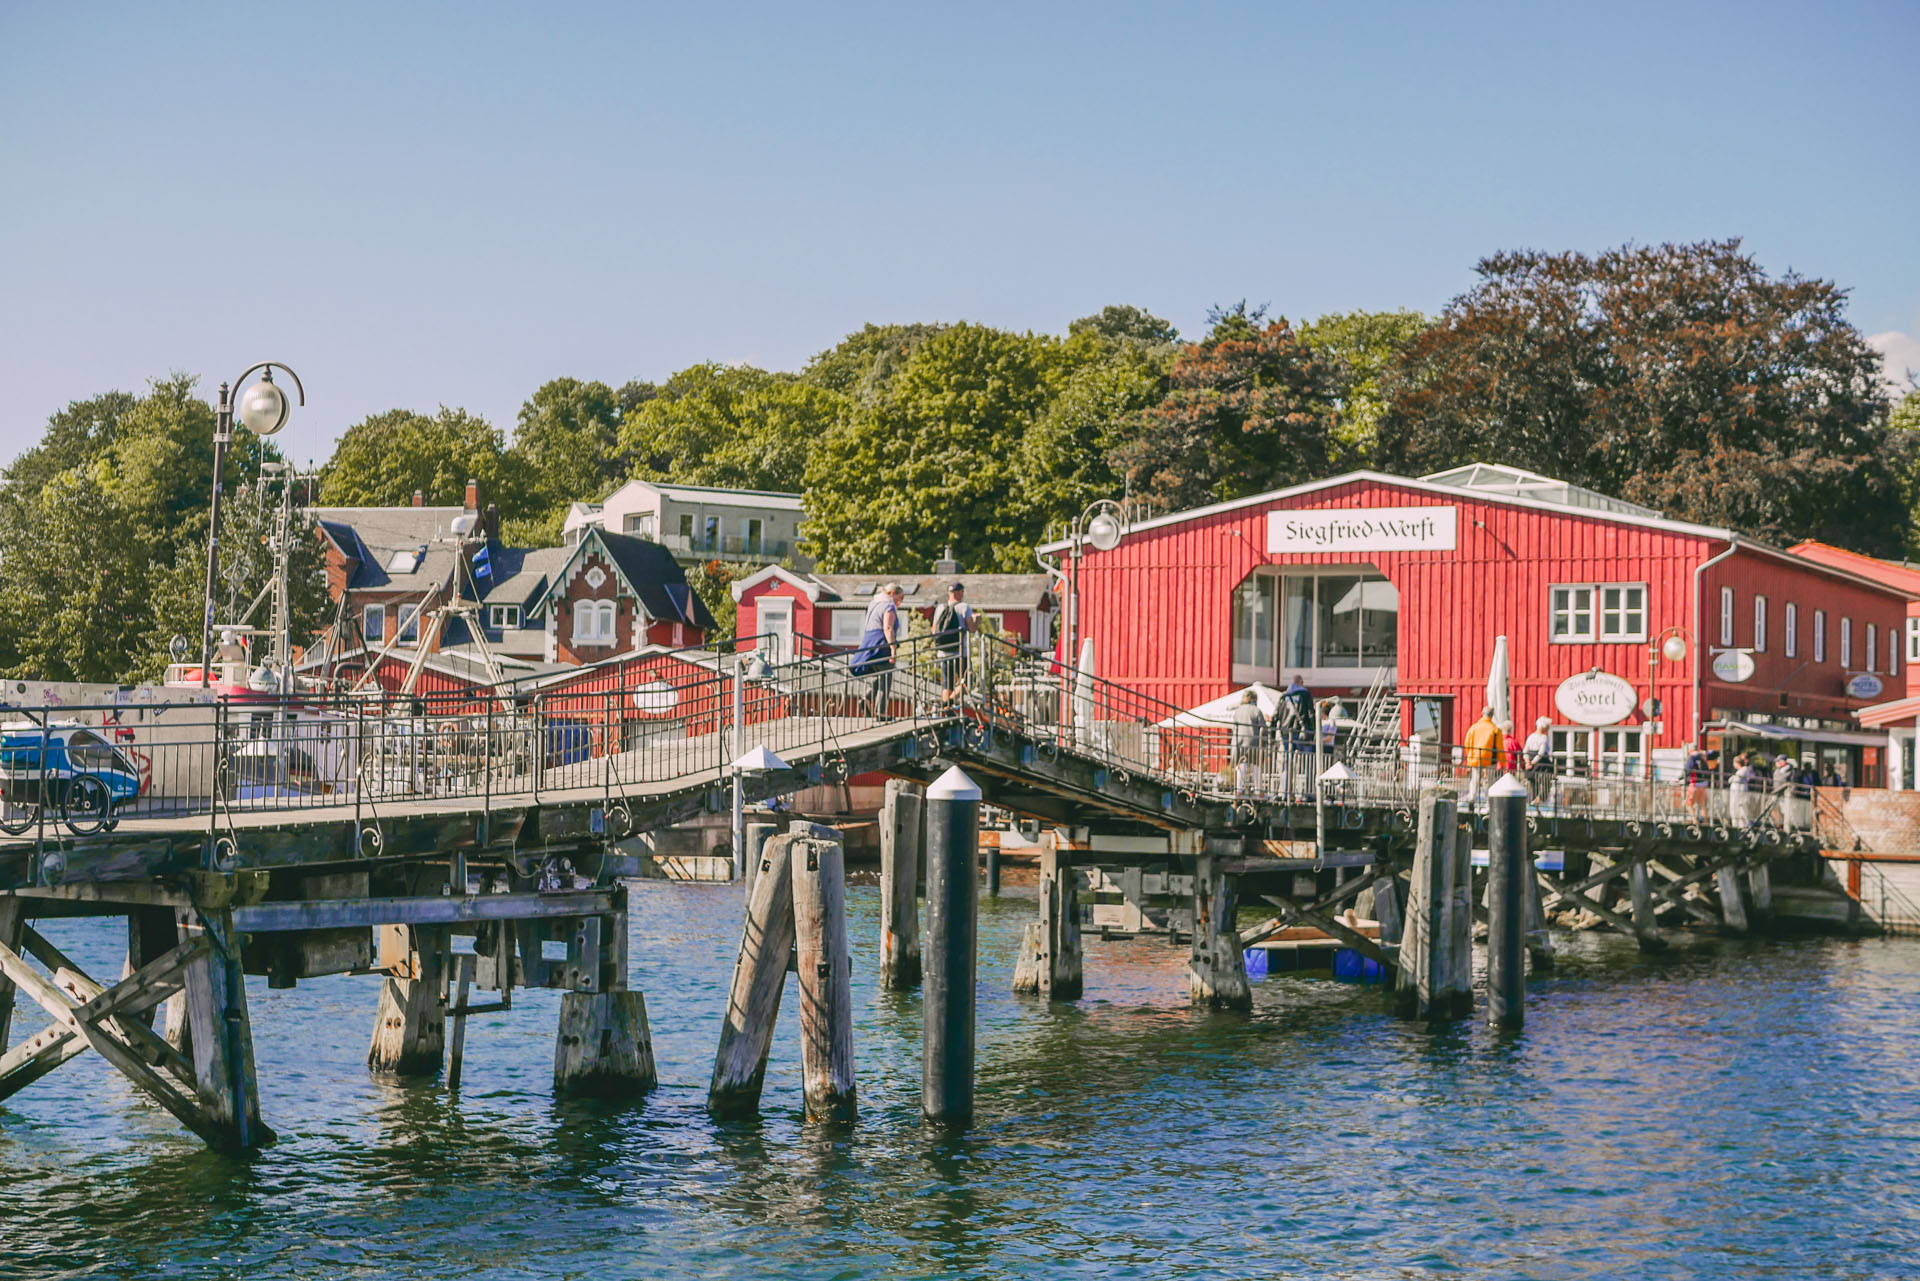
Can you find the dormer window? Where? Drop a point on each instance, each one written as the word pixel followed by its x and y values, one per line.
pixel 406 560
pixel 500 617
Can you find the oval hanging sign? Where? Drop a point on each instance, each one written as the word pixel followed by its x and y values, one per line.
pixel 1864 685
pixel 656 698
pixel 1733 666
pixel 1595 698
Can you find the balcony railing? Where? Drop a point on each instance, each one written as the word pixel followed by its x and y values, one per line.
pixel 730 547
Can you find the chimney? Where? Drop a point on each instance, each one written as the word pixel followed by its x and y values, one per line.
pixel 473 496
pixel 946 564
pixel 490 524
pixel 419 499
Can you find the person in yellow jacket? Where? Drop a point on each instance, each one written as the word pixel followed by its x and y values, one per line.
pixel 1485 747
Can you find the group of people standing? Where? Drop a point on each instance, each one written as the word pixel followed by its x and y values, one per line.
pixel 883 631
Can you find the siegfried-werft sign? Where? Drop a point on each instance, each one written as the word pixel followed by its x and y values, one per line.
pixel 1363 529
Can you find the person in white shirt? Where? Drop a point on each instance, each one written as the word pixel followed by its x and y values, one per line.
pixel 1536 757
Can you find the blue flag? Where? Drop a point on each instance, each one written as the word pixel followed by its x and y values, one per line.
pixel 482 566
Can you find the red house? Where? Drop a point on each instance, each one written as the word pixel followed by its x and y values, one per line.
pixel 1368 575
pixel 803 613
pixel 614 594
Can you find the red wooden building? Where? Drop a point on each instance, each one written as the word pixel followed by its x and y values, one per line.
pixel 1345 579
pixel 803 613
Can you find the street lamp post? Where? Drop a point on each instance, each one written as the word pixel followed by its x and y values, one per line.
pixel 262 410
pixel 1673 644
pixel 1103 523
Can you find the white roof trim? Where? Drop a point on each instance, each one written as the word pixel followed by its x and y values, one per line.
pixel 742 586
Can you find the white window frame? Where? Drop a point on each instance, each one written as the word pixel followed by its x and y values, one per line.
pixel 1893 652
pixel 1759 624
pixel 595 622
pixel 1726 617
pixel 1311 671
pixel 846 627
pixel 1873 647
pixel 373 623
pixel 1913 640
pixel 1819 635
pixel 501 617
pixel 1791 643
pixel 1249 648
pixel 408 632
pixel 1604 623
pixel 1846 641
pixel 1625 759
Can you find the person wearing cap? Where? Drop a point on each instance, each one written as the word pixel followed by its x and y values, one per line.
pixel 951 624
pixel 1536 757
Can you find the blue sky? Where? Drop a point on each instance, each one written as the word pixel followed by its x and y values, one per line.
pixel 426 204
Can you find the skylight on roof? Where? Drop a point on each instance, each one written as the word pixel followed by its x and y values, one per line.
pixel 865 589
pixel 406 560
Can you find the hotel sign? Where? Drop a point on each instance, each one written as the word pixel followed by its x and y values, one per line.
pixel 1595 698
pixel 1364 529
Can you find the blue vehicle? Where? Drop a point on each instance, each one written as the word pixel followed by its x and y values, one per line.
pixel 68 768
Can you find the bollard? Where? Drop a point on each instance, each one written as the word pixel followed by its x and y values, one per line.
pixel 1424 983
pixel 900 885
pixel 826 981
pixel 1507 874
pixel 946 1064
pixel 758 834
pixel 759 977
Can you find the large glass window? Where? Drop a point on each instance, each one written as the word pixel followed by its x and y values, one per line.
pixel 1253 617
pixel 1339 619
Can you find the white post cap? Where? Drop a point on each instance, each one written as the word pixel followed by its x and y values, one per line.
pixel 1508 786
pixel 954 785
pixel 760 761
pixel 1336 773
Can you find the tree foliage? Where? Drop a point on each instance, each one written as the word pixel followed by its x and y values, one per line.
pixel 733 426
pixel 863 365
pixel 1366 343
pixel 1248 408
pixel 384 459
pixel 1678 376
pixel 567 446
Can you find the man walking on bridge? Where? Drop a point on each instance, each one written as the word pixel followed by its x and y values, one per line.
pixel 1484 747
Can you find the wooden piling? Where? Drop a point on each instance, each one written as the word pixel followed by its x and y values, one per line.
pixel 758 834
pixel 1508 874
pixel 1460 921
pixel 1425 985
pixel 826 980
pixel 410 1030
pixel 1646 926
pixel 603 1049
pixel 992 858
pixel 759 976
pixel 947 1046
pixel 221 1033
pixel 1733 911
pixel 1760 886
pixel 1387 911
pixel 1050 953
pixel 1539 938
pixel 900 824
pixel 1216 962
pixel 12 922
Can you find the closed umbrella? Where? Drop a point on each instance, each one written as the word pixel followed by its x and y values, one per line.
pixel 1497 697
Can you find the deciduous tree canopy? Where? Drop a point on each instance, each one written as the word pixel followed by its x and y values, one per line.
pixel 1678 376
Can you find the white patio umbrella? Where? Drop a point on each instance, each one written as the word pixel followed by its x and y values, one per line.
pixel 1497 680
pixel 1219 711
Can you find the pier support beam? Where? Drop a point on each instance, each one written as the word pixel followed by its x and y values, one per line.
pixel 1428 985
pixel 759 976
pixel 12 921
pixel 1733 910
pixel 221 1033
pixel 826 980
pixel 1646 925
pixel 1217 964
pixel 946 1062
pixel 1387 908
pixel 1050 957
pixel 410 1031
pixel 1760 886
pixel 1509 872
pixel 900 823
pixel 603 1048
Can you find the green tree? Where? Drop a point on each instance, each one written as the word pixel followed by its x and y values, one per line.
pixel 1904 425
pixel 1678 376
pixel 733 426
pixel 382 460
pixel 1366 342
pixel 1127 325
pixel 75 594
pixel 1249 408
pixel 863 365
pixel 934 461
pixel 567 446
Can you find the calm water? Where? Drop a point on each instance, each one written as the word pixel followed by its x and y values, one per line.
pixel 1729 1110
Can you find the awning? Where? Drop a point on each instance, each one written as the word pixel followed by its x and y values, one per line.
pixel 1891 714
pixel 1850 738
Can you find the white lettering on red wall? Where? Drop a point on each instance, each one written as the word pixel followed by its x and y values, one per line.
pixel 1364 529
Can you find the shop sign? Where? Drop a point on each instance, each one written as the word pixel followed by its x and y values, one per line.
pixel 1595 698
pixel 1864 685
pixel 1364 529
pixel 1733 666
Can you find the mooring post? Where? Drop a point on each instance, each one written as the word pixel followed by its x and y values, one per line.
pixel 826 980
pixel 1646 926
pixel 1216 961
pixel 1050 958
pixel 900 820
pixel 946 1062
pixel 759 976
pixel 1387 907
pixel 410 1030
pixel 1423 988
pixel 1760 886
pixel 221 1035
pixel 1733 912
pixel 1460 919
pixel 758 834
pixel 603 1047
pixel 1508 872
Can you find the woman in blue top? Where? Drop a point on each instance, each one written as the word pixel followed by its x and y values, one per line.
pixel 879 642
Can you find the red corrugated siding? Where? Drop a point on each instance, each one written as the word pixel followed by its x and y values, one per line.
pixel 1160 610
